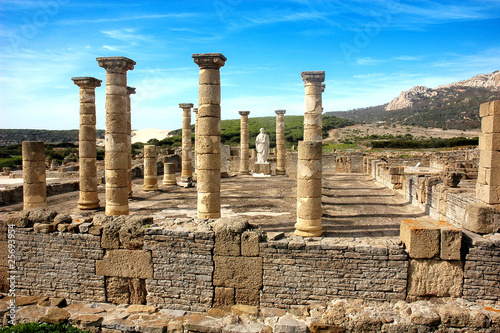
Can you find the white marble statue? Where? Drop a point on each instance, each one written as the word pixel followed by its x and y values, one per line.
pixel 262 147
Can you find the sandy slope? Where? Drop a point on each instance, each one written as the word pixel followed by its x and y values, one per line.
pixel 144 135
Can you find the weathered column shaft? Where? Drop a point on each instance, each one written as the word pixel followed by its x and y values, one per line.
pixel 195 110
pixel 309 164
pixel 117 140
pixel 130 91
pixel 208 160
pixel 34 176
pixel 150 169
pixel 488 179
pixel 280 142
pixel 309 172
pixel 169 174
pixel 313 120
pixel 244 145
pixel 187 162
pixel 87 148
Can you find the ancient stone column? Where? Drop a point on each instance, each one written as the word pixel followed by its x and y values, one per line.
pixel 244 165
pixel 313 123
pixel 87 149
pixel 130 91
pixel 117 140
pixel 195 110
pixel 488 178
pixel 169 174
pixel 208 155
pixel 187 162
pixel 34 179
pixel 280 142
pixel 309 172
pixel 309 164
pixel 150 169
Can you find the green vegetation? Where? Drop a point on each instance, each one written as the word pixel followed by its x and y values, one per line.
pixel 16 136
pixel 40 328
pixel 450 109
pixel 427 143
pixel 294 130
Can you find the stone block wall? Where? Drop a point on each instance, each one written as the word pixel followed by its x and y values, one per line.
pixel 4 274
pixel 182 268
pixel 14 194
pixel 482 268
pixel 296 272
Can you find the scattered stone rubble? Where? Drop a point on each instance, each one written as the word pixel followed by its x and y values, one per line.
pixel 354 315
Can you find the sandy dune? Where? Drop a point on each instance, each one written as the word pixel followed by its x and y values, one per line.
pixel 144 135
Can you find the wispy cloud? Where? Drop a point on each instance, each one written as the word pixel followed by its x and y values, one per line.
pixel 368 61
pixel 131 18
pixel 407 58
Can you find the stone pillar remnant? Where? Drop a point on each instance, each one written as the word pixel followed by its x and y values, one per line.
pixel 195 110
pixel 208 146
pixel 280 142
pixel 117 140
pixel 169 174
pixel 313 123
pixel 187 162
pixel 130 91
pixel 87 148
pixel 244 146
pixel 34 177
pixel 488 181
pixel 150 169
pixel 309 164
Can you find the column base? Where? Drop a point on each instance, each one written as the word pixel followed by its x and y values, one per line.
pixel 89 205
pixel 29 205
pixel 280 172
pixel 308 228
pixel 151 188
pixel 209 215
pixel 116 210
pixel 186 179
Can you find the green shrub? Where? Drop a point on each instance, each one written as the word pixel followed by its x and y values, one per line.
pixel 40 328
pixel 11 162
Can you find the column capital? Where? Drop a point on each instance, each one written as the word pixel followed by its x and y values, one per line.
pixel 209 60
pixel 244 113
pixel 280 111
pixel 116 64
pixel 186 105
pixel 313 76
pixel 86 82
pixel 130 90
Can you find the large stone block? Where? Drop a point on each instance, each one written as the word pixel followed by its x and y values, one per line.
pixel 223 297
pixel 238 272
pixel 126 263
pixel 451 241
pixel 228 236
pixel 421 238
pixel 440 278
pixel 489 194
pixel 250 244
pixel 247 296
pixel 481 218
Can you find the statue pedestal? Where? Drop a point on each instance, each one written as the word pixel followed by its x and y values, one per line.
pixel 262 168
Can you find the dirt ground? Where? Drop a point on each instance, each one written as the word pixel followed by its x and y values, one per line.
pixel 353 205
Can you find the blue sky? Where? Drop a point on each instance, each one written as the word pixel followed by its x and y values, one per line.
pixel 370 51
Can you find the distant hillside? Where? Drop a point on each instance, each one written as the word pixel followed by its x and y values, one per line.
pixel 294 129
pixel 16 136
pixel 454 105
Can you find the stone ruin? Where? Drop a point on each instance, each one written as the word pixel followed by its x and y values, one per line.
pixel 173 269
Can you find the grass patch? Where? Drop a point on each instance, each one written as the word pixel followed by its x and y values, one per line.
pixel 41 328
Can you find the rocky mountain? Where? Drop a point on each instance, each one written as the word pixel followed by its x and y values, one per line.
pixel 409 98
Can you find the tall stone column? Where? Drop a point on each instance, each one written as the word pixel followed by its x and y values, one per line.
pixel 187 162
pixel 195 110
pixel 244 163
pixel 117 140
pixel 280 142
pixel 150 169
pixel 87 148
pixel 208 155
pixel 309 164
pixel 488 179
pixel 130 91
pixel 34 176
